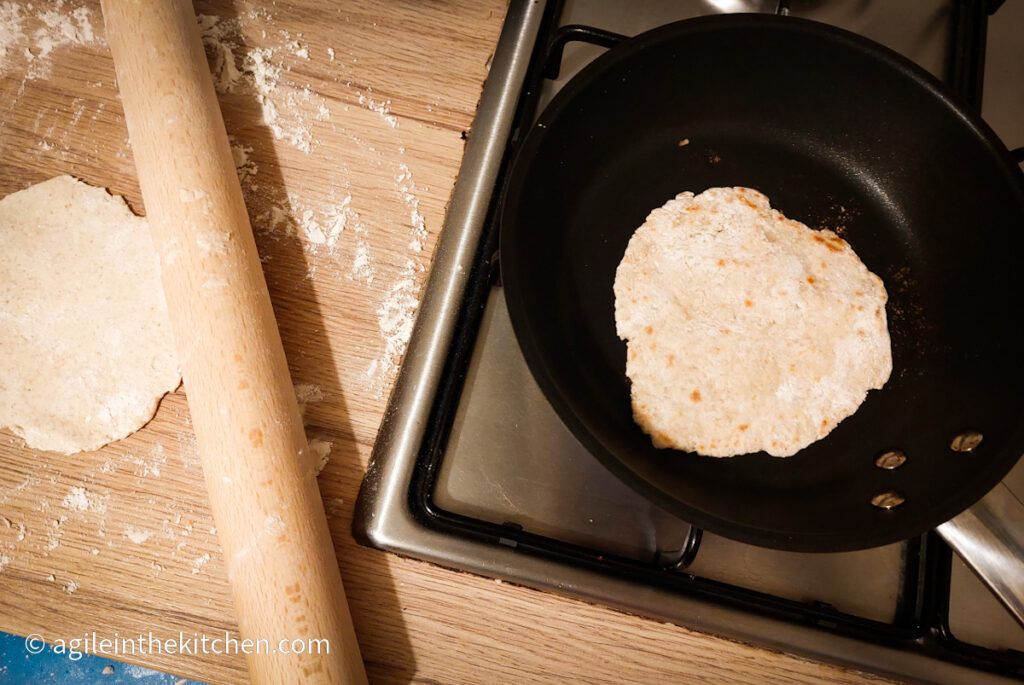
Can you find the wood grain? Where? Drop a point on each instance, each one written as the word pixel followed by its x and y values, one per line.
pixel 401 89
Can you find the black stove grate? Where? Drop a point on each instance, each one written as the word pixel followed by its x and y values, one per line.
pixel 921 622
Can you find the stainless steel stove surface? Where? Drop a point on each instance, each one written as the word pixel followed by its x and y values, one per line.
pixel 473 468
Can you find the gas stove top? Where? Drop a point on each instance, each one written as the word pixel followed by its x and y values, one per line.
pixel 474 470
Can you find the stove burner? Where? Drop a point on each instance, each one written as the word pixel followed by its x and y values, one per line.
pixel 905 609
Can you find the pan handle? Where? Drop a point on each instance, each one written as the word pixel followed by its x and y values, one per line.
pixel 989 537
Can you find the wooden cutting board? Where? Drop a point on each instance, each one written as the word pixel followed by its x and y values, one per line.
pixel 348 121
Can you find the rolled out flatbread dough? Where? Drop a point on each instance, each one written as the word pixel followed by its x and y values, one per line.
pixel 86 349
pixel 746 331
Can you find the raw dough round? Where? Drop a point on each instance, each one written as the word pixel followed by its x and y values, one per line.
pixel 746 331
pixel 86 349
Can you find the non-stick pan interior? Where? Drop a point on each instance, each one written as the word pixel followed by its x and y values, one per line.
pixel 838 134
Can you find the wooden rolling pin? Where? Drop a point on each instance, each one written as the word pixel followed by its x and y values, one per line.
pixel 259 473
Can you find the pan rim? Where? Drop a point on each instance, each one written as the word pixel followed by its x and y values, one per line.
pixel 767 536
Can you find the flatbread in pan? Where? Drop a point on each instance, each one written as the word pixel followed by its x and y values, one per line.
pixel 746 331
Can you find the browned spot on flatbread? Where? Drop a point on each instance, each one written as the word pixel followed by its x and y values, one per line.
pixel 256 437
pixel 833 244
pixel 671 360
pixel 748 303
pixel 810 279
pixel 743 426
pixel 695 395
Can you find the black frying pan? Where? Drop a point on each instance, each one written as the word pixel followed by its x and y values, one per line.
pixel 834 129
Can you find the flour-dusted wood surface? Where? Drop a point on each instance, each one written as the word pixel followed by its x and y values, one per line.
pixel 347 124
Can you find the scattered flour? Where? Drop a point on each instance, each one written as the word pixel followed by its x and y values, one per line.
pixel 11 32
pixel 225 72
pixel 80 499
pixel 381 108
pixel 407 190
pixel 188 449
pixel 324 230
pixel 199 562
pixel 38 34
pixel 337 218
pixel 77 499
pixel 288 110
pixel 321 452
pixel 4 560
pixel 307 393
pixel 397 314
pixel 70 587
pixel 320 228
pixel 137 536
pixel 150 466
pixel 362 264
pixel 53 536
pixel 395 318
pixel 244 166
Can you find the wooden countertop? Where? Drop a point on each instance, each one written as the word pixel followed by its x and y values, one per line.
pixel 348 123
